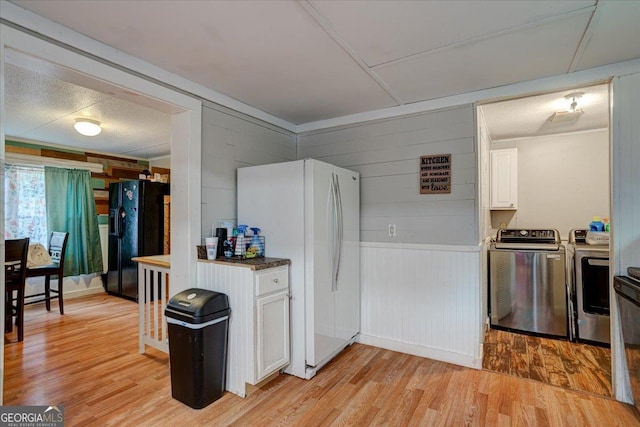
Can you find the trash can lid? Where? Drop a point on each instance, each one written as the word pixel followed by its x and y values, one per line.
pixel 197 305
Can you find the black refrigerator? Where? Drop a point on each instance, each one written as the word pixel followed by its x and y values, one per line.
pixel 136 228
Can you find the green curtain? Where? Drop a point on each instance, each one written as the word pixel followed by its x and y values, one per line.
pixel 71 208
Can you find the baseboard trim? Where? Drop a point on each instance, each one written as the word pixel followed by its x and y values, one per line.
pixel 84 292
pixel 422 351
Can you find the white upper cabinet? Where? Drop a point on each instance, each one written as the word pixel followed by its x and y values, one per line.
pixel 504 179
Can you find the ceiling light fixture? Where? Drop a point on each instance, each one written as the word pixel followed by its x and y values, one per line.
pixel 87 127
pixel 572 100
pixel 572 113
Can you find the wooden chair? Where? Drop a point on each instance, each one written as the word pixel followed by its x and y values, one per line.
pixel 57 248
pixel 15 269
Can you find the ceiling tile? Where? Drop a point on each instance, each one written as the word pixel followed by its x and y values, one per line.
pixel 274 56
pixel 271 55
pixel 522 55
pixel 383 31
pixel 616 34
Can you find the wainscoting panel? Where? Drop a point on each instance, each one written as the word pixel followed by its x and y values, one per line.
pixel 423 300
pixel 237 283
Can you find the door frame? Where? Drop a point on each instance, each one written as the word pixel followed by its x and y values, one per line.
pixel 618 365
pixel 185 148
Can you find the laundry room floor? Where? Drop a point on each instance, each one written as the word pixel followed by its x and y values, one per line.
pixel 562 363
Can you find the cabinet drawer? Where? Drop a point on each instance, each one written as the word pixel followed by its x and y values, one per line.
pixel 272 280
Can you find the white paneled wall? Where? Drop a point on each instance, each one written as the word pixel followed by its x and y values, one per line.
pixel 423 300
pixel 626 172
pixel 625 222
pixel 237 283
pixel 421 290
pixel 386 154
pixel 229 141
pixel 484 213
pixel 484 143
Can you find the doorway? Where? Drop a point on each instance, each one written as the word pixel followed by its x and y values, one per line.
pixel 562 179
pixel 185 128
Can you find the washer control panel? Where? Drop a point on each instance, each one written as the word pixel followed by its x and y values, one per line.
pixel 578 235
pixel 528 235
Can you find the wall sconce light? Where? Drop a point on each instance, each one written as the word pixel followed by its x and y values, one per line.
pixel 87 127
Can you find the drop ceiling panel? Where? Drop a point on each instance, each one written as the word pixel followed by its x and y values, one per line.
pixel 616 34
pixel 271 55
pixel 384 31
pixel 512 57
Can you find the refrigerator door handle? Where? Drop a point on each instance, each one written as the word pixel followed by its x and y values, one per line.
pixel 121 221
pixel 113 222
pixel 340 231
pixel 333 232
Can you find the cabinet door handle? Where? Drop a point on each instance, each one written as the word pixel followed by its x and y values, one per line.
pixel 276 281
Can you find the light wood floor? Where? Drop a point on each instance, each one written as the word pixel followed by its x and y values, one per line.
pixel 87 361
pixel 575 366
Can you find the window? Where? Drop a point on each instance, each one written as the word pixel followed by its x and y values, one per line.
pixel 25 208
pixel 39 198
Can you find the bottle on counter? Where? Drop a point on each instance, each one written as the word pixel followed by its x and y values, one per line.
pixel 596 224
pixel 256 243
pixel 605 222
pixel 240 248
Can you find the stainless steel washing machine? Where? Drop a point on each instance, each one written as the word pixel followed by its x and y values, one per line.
pixel 588 273
pixel 527 286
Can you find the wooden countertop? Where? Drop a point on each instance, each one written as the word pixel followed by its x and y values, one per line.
pixel 252 263
pixel 157 260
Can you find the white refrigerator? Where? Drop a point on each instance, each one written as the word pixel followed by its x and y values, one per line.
pixel 309 212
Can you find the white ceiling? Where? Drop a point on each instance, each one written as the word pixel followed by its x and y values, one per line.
pixel 42 102
pixel 531 116
pixel 306 61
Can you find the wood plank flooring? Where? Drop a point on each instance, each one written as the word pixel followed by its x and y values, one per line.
pixel 562 363
pixel 87 361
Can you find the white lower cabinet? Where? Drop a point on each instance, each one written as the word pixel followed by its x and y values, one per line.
pixel 272 334
pixel 259 322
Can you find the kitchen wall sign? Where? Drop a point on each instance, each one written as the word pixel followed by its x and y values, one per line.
pixel 435 174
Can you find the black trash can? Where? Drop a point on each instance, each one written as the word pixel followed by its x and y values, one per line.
pixel 198 322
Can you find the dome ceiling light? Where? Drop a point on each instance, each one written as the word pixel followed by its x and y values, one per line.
pixel 87 127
